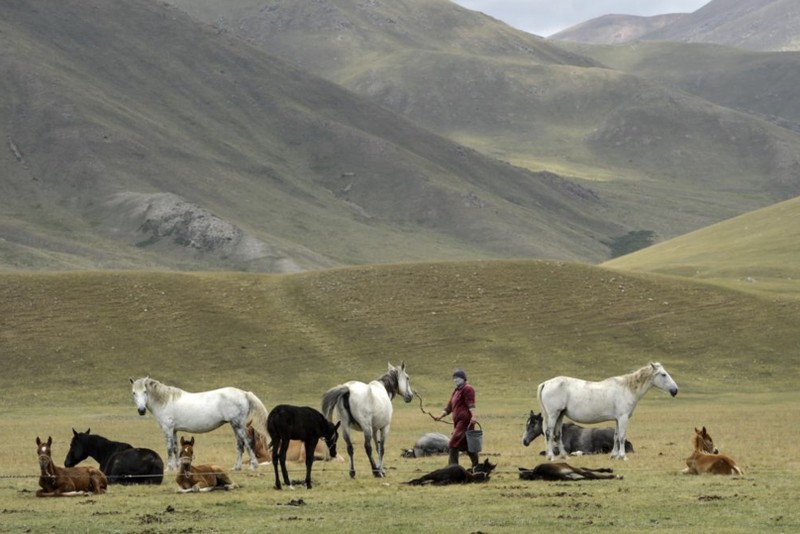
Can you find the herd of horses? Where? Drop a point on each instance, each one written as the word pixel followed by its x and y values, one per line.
pixel 366 407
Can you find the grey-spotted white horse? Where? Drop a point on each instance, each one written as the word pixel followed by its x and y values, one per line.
pixel 179 410
pixel 614 399
pixel 368 407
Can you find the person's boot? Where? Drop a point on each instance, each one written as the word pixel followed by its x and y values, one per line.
pixel 453 460
pixel 474 457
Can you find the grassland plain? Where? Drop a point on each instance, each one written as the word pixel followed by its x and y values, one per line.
pixel 71 340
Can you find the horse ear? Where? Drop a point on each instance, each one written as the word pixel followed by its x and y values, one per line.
pixel 191 441
pixel 131 379
pixel 391 366
pixel 74 433
pixel 403 365
pixel 38 441
pixel 49 441
pixel 338 424
pixel 88 430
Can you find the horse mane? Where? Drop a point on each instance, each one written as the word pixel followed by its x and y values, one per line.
pixel 640 378
pixel 390 382
pixel 161 393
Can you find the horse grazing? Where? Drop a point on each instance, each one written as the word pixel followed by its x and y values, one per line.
pixel 428 445
pixel 196 478
pixel 287 422
pixel 121 462
pixel 702 461
pixel 178 410
pixel 577 439
pixel 295 453
pixel 66 481
pixel 564 471
pixel 455 474
pixel 614 398
pixel 368 407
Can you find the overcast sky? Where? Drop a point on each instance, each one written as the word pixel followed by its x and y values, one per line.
pixel 545 17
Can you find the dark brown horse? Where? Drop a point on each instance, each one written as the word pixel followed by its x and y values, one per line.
pixel 455 474
pixel 564 471
pixel 199 477
pixel 286 423
pixel 66 481
pixel 701 461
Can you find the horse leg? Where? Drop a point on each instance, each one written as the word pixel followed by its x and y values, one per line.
pixel 380 442
pixel 310 446
pixel 276 445
pixel 240 432
pixel 368 436
pixel 618 453
pixel 349 442
pixel 284 471
pixel 549 434
pixel 559 435
pixel 171 437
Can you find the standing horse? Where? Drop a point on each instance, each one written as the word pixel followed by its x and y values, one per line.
pixel 286 423
pixel 701 461
pixel 178 410
pixel 66 481
pixel 121 462
pixel 198 478
pixel 614 398
pixel 577 439
pixel 368 407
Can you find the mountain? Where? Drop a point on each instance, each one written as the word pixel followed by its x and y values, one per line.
pixel 765 25
pixel 614 29
pixel 137 138
pixel 664 161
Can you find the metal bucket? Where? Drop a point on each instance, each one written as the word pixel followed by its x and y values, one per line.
pixel 475 439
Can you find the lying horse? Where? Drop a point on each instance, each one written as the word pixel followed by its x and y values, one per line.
pixel 428 445
pixel 564 471
pixel 702 461
pixel 121 462
pixel 455 474
pixel 198 478
pixel 295 453
pixel 577 439
pixel 66 481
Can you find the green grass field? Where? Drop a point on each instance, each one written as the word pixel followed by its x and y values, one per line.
pixel 70 342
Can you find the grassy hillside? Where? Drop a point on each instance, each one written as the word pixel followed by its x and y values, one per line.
pixel 511 323
pixel 70 341
pixel 756 252
pixel 135 137
pixel 666 162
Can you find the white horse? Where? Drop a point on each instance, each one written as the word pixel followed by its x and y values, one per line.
pixel 178 410
pixel 614 398
pixel 368 407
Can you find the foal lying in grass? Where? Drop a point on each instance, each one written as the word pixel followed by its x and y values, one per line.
pixel 199 477
pixel 705 459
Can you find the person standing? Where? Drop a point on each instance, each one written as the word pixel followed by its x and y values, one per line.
pixel 462 406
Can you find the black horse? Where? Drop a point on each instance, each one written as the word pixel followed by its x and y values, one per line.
pixel 304 423
pixel 121 462
pixel 455 474
pixel 564 471
pixel 577 439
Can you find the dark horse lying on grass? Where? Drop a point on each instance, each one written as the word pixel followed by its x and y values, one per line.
pixel 577 439
pixel 455 474
pixel 121 462
pixel 564 471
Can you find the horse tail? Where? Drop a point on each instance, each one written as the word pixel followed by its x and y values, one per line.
pixel 331 398
pixel 541 405
pixel 257 416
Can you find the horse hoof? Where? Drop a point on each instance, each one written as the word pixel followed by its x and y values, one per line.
pixel 352 474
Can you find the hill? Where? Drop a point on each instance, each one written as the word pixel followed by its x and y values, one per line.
pixel 756 252
pixel 764 25
pixel 512 323
pixel 136 138
pixel 665 162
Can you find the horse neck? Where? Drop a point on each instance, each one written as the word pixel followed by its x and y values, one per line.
pixel 48 469
pixel 390 382
pixel 639 381
pixel 100 448
pixel 697 443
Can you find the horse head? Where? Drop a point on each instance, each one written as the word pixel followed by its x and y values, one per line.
pixel 403 381
pixel 533 428
pixel 701 441
pixel 332 438
pixel 662 380
pixel 187 452
pixel 77 448
pixel 139 392
pixel 44 451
